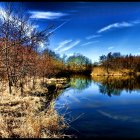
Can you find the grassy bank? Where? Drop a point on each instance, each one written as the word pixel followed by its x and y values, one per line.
pixel 98 78
pixel 101 71
pixel 22 116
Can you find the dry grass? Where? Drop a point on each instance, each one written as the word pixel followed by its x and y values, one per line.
pixel 42 125
pixel 97 71
pixel 29 84
pixel 100 71
pixel 28 88
pixel 20 117
pixel 110 78
pixel 3 128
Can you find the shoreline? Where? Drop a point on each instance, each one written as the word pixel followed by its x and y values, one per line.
pixel 27 116
pixel 100 71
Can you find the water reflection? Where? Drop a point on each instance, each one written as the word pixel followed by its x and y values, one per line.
pixel 109 90
pixel 115 85
pixel 107 85
pixel 103 115
pixel 80 82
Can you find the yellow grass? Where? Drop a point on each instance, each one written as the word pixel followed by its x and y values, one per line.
pixel 100 71
pixel 28 87
pixel 110 78
pixel 20 116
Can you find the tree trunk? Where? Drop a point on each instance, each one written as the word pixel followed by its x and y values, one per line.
pixel 21 87
pixel 33 82
pixel 10 84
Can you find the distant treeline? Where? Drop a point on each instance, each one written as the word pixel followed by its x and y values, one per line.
pixel 76 64
pixel 118 62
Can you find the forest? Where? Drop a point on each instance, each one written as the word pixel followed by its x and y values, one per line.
pixel 115 63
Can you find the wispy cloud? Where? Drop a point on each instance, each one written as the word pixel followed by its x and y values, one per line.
pixel 118 25
pixel 62 44
pixel 92 36
pixel 119 117
pixel 46 15
pixel 73 44
pixel 66 45
pixel 109 48
pixel 88 43
pixel 2 13
pixel 59 26
pixel 69 54
pixel 136 22
pixel 116 117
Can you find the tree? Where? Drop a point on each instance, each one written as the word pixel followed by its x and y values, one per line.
pixel 19 38
pixel 116 61
pixel 78 62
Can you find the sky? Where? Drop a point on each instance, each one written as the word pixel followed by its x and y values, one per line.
pixel 88 28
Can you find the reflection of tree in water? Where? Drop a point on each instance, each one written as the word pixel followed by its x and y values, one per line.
pixel 109 90
pixel 115 86
pixel 80 82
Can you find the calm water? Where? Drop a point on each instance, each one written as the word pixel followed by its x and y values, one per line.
pixel 107 108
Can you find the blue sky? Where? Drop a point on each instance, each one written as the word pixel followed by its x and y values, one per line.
pixel 89 28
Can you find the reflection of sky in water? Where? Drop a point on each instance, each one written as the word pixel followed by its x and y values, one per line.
pixel 91 97
pixel 103 114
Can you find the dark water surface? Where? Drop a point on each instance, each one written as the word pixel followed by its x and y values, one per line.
pixel 102 108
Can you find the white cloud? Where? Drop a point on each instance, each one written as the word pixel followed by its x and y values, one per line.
pixel 58 26
pixel 118 25
pixel 66 46
pixel 136 22
pixel 70 46
pixel 62 44
pixel 88 43
pixel 92 36
pixel 17 23
pixel 30 29
pixel 46 15
pixel 41 45
pixel 3 13
pixel 35 26
pixel 119 117
pixel 116 117
pixel 69 54
pixel 109 48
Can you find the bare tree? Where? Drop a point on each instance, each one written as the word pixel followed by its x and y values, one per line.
pixel 19 37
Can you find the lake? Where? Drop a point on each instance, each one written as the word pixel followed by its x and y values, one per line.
pixel 101 107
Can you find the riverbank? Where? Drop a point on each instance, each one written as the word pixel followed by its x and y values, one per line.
pixel 23 116
pixel 100 71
